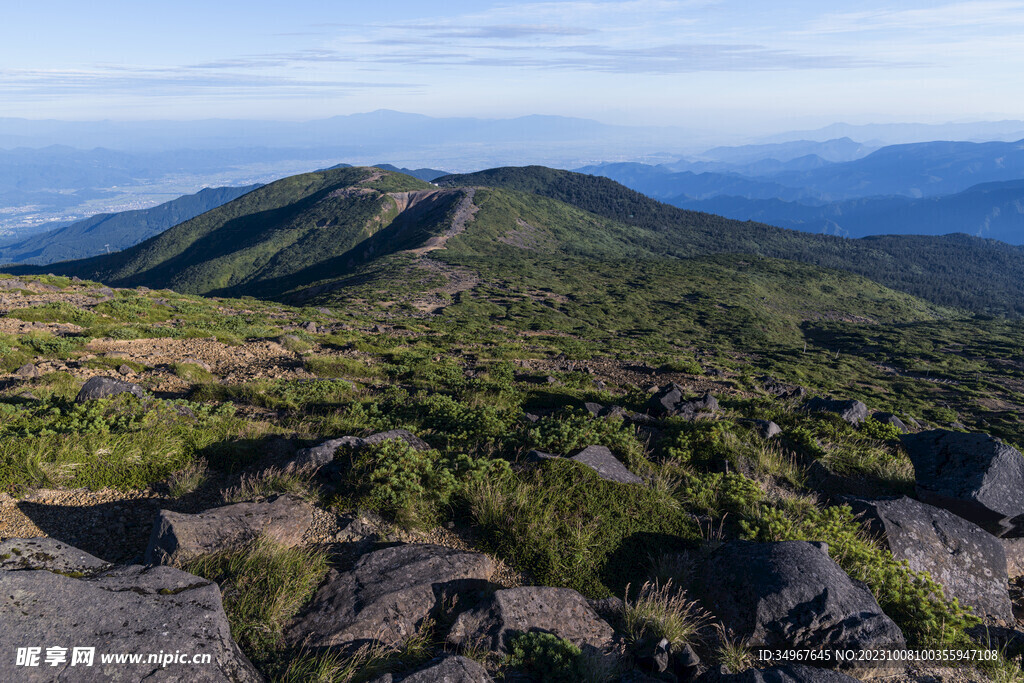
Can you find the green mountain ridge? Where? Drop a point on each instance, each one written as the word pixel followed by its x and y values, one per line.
pixel 309 237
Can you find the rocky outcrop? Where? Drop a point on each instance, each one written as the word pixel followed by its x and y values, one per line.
pixel 782 390
pixel 790 594
pixel 966 560
pixel 387 595
pixel 178 538
pixel 323 454
pixel 125 609
pixel 105 387
pixel 669 401
pixel 851 411
pixel 561 611
pixel 27 371
pixel 974 476
pixel 446 669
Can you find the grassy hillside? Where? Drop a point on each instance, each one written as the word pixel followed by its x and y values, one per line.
pixel 956 270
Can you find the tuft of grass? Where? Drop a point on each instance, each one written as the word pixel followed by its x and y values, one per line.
pixel 734 653
pixel 264 585
pixel 192 373
pixel 663 612
pixel 272 481
pixel 188 479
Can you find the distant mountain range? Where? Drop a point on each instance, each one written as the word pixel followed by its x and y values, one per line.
pixel 306 236
pixel 930 188
pixel 114 232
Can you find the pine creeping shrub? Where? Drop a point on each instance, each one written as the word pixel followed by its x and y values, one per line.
pixel 912 599
pixel 567 527
pixel 717 494
pixel 545 657
pixel 882 431
pixel 414 487
pixel 572 430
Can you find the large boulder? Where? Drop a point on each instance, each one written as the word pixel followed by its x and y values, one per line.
pixel 445 669
pixel 121 610
pixel 966 560
pixel 323 454
pixel 668 400
pixel 178 537
pixel 607 466
pixel 387 595
pixel 791 595
pixel 561 611
pixel 792 673
pixel 851 411
pixel 49 554
pixel 105 387
pixel 975 476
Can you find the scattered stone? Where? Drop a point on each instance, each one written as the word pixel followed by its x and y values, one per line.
pixel 791 594
pixel 531 418
pixel 890 419
pixel 27 371
pixel 550 380
pixel 179 537
pixel 445 669
pixel 323 454
pixel 192 360
pixel 388 594
pixel 601 460
pixel 654 655
pixel 310 327
pixel 851 411
pixel 782 389
pixel 766 429
pixel 124 370
pixel 507 612
pixel 537 456
pixel 669 401
pixel 104 387
pixel 594 409
pixel 975 476
pixel 323 311
pixel 967 561
pixel 119 610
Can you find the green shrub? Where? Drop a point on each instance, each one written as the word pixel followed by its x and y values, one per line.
pixel 882 431
pixel 545 657
pixel 567 527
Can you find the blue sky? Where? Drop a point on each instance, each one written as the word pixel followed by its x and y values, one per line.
pixel 754 66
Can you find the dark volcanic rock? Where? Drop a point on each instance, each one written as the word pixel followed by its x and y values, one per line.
pixel 446 669
pixel 49 554
pixel 975 476
pixel 323 454
pixel 387 595
pixel 178 537
pixel 782 389
pixel 561 611
pixel 966 560
pixel 669 400
pixel 791 594
pixel 766 428
pixel 601 460
pixel 104 387
pixel 851 411
pixel 126 609
pixel 794 673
